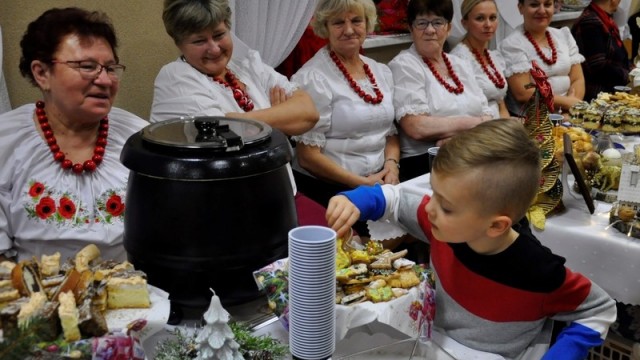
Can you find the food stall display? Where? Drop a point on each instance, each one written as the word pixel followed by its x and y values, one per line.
pixel 86 304
pixel 373 285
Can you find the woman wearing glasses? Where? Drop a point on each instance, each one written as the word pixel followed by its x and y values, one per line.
pixel 554 50
pixel 480 19
pixel 62 185
pixel 436 94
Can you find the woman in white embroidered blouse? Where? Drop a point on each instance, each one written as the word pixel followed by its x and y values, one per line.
pixel 207 81
pixel 355 141
pixel 62 185
pixel 480 19
pixel 436 95
pixel 555 52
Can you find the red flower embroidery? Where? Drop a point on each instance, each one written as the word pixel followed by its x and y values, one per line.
pixel 46 207
pixel 67 208
pixel 114 205
pixel 36 189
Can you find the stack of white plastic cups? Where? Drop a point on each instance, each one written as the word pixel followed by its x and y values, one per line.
pixel 312 291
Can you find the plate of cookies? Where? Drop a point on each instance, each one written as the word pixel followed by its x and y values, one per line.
pixel 373 284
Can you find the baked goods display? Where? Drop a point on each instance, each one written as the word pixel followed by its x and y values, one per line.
pixel 72 296
pixel 617 112
pixel 372 273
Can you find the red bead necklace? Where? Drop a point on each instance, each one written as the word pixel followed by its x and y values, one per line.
pixel 366 97
pixel 98 152
pixel 459 89
pixel 241 97
pixel 494 74
pixel 554 53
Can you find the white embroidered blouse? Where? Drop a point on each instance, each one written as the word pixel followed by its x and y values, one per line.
pixel 350 131
pixel 43 208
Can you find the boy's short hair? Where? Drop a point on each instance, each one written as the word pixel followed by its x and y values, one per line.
pixel 504 161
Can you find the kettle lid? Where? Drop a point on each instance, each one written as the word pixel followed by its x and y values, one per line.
pixel 207 132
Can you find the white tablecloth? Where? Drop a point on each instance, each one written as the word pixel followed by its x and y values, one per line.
pixel 607 257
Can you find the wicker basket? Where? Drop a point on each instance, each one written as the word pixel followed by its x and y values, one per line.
pixel 615 348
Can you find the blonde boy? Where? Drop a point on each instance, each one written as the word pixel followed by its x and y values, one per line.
pixel 497 288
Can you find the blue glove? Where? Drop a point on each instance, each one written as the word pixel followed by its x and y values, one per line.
pixel 369 200
pixel 573 342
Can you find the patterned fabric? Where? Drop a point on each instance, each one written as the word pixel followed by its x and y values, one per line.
pixel 606 62
pixel 43 208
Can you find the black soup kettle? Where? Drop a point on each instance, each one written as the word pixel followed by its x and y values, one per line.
pixel 209 201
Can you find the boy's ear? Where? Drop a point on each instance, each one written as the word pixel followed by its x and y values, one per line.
pixel 499 226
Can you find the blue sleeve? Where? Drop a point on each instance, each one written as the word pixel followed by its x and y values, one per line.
pixel 573 343
pixel 369 200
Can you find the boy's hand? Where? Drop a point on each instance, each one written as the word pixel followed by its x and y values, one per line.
pixel 341 214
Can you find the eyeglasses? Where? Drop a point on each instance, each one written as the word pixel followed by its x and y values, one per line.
pixel 422 24
pixel 90 69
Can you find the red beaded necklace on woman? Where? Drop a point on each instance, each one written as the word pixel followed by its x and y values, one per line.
pixel 366 97
pixel 241 96
pixel 459 89
pixel 494 74
pixel 554 53
pixel 98 152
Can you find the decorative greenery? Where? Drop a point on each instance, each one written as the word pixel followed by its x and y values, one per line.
pixel 183 346
pixel 32 342
pixel 257 347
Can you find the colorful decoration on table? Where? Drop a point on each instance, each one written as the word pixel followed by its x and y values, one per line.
pixel 428 311
pixel 216 340
pixel 540 129
pixel 32 341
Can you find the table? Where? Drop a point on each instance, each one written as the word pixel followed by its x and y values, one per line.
pixel 606 256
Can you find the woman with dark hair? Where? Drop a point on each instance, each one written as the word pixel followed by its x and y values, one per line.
pixel 606 59
pixel 436 94
pixel 62 185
